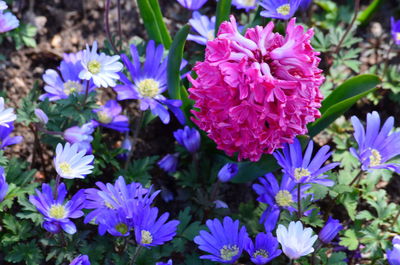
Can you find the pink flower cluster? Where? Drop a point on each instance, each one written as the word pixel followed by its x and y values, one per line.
pixel 256 92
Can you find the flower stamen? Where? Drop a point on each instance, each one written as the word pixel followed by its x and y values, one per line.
pixel 57 211
pixel 228 252
pixel 72 87
pixel 284 9
pixel 65 168
pixel 375 159
pixel 94 67
pixel 148 88
pixel 300 173
pixel 147 238
pixel 284 198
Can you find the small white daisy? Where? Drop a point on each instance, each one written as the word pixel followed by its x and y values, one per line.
pixel 101 68
pixel 70 163
pixel 6 115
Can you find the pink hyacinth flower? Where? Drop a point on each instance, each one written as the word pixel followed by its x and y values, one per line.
pixel 256 92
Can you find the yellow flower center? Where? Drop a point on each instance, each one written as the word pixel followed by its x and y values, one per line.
pixel 104 117
pixel 148 88
pixel 283 198
pixel 72 87
pixel 94 67
pixel 57 211
pixel 299 173
pixel 284 9
pixel 109 206
pixel 375 158
pixel 65 168
pixel 147 238
pixel 398 36
pixel 211 35
pixel 260 253
pixel 228 252
pixel 122 228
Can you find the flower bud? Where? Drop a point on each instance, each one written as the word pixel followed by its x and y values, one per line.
pixel 169 163
pixel 330 230
pixel 41 116
pixel 189 138
pixel 227 172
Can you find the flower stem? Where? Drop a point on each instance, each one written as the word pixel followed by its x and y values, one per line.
pixel 58 178
pixel 356 9
pixel 395 218
pixel 119 22
pixel 356 178
pixel 299 201
pixel 86 94
pixel 134 138
pixel 37 148
pixel 137 252
pixel 107 26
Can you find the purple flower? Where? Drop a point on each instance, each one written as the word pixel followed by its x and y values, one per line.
pixel 280 9
pixel 56 212
pixel 3 184
pixel 126 146
pixel 163 263
pixel 8 22
pixel 81 136
pixel 304 169
pixel 188 138
pixel 149 83
pixel 221 204
pixel 376 145
pixel 42 117
pixel 80 260
pixel 109 116
pixel 227 172
pixel 169 163
pixel 304 4
pixel 5 136
pixel 203 26
pixel 330 230
pixel 393 255
pixel 277 197
pixel 192 4
pixel 245 4
pixel 395 30
pixel 225 243
pixel 150 231
pixel 3 5
pixel 264 250
pixel 115 222
pixel 64 82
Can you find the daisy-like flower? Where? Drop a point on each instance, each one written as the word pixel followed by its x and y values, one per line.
pixel 376 144
pixel 65 81
pixel 281 9
pixel 395 30
pixel 225 243
pixel 100 68
pixel 109 116
pixel 192 4
pixel 264 250
pixel 6 115
pixel 304 4
pixel 8 22
pixel 330 230
pixel 56 211
pixel 115 222
pixel 245 4
pixel 253 93
pixel 203 26
pixel 305 169
pixel 393 255
pixel 71 163
pixel 5 136
pixel 277 196
pixel 148 83
pixel 296 241
pixel 150 231
pixel 80 135
pixel 3 184
pixel 80 260
pixel 188 138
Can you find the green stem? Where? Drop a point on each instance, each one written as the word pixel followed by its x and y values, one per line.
pixel 357 8
pixel 137 252
pixel 356 178
pixel 135 137
pixel 299 201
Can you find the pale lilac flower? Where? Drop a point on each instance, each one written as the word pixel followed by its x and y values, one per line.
pixel 192 4
pixel 3 5
pixel 109 116
pixel 80 135
pixel 6 115
pixel 3 184
pixel 393 255
pixel 245 4
pixel 280 9
pixel 8 22
pixel 41 116
pixel 204 26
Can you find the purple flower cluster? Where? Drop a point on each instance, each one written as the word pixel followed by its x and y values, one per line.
pixel 8 21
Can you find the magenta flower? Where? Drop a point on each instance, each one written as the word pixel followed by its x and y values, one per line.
pixel 256 92
pixel 109 116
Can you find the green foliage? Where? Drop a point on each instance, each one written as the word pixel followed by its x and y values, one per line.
pixel 139 170
pixel 24 35
pixel 223 12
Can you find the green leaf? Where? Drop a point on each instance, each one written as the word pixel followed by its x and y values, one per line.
pixel 153 22
pixel 349 240
pixel 249 171
pixel 342 98
pixel 174 62
pixel 365 15
pixel 337 258
pixel 223 12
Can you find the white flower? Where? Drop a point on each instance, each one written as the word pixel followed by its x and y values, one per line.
pixel 3 5
pixel 6 115
pixel 101 68
pixel 296 241
pixel 70 163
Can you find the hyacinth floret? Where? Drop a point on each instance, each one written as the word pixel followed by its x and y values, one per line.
pixel 256 92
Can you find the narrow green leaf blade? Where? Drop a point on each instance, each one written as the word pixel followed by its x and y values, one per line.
pixel 223 12
pixel 249 171
pixel 149 20
pixel 166 37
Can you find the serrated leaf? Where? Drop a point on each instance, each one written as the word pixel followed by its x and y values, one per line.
pixel 349 240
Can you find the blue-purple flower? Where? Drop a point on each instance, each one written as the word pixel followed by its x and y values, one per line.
pixel 5 136
pixel 66 81
pixel 304 4
pixel 188 138
pixel 280 9
pixel 3 184
pixel 330 230
pixel 109 116
pixel 80 260
pixel 7 115
pixel 395 30
pixel 8 21
pixel 277 197
pixel 245 4
pixel 264 250
pixel 204 26
pixel 149 83
pixel 3 5
pixel 115 222
pixel 169 163
pixel 42 117
pixel 192 4
pixel 227 172
pixel 80 135
pixel 376 145
pixel 305 169
pixel 163 263
pixel 56 211
pixel 226 241
pixel 150 231
pixel 393 255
